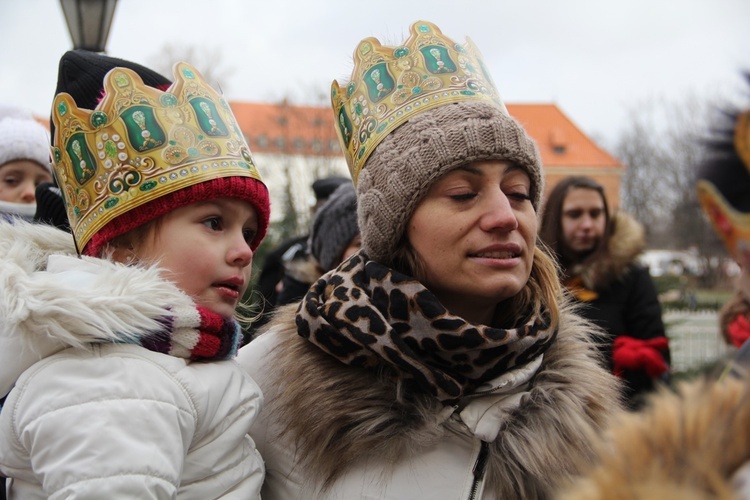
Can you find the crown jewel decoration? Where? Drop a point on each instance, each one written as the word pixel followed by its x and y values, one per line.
pixel 730 224
pixel 140 143
pixel 389 85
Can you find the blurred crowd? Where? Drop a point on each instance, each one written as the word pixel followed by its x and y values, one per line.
pixel 441 330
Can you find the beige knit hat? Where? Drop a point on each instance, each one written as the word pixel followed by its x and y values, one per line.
pixel 412 113
pixel 404 166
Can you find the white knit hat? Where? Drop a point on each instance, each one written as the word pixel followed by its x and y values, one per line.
pixel 22 137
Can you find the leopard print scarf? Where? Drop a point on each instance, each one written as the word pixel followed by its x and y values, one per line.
pixel 368 315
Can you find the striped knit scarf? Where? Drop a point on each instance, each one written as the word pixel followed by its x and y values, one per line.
pixel 197 334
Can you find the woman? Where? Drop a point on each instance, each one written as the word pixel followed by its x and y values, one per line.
pixel 598 254
pixel 438 362
pixel 693 443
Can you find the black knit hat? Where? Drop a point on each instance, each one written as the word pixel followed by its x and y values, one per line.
pixel 50 208
pixel 323 188
pixel 334 226
pixel 81 74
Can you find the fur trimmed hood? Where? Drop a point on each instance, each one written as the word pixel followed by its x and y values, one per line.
pixel 693 444
pixel 627 241
pixel 367 417
pixel 50 299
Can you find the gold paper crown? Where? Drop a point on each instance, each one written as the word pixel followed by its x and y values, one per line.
pixel 731 225
pixel 140 143
pixel 389 85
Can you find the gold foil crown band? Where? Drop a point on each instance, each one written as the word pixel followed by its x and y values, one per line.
pixel 732 226
pixel 140 143
pixel 389 85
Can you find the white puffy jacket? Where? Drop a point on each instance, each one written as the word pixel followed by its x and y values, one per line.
pixel 87 417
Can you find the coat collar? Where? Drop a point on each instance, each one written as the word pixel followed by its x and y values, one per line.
pixel 50 299
pixel 545 427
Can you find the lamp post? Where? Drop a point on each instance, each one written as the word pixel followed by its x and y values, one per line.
pixel 89 22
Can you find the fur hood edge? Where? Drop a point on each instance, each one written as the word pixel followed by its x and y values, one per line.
pixel 92 301
pixel 571 401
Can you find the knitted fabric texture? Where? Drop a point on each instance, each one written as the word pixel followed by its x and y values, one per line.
pixel 403 167
pixel 243 188
pixel 23 138
pixel 324 188
pixel 197 334
pixel 50 207
pixel 334 226
pixel 10 211
pixel 629 353
pixel 81 74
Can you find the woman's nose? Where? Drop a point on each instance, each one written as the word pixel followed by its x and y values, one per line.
pixel 586 221
pixel 499 214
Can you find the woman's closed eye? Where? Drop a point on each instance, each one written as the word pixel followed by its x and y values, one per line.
pixel 469 195
pixel 519 195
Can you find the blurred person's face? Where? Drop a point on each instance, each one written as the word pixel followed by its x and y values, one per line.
pixel 474 236
pixel 583 220
pixel 19 179
pixel 352 248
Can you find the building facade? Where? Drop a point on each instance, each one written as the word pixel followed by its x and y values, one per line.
pixel 294 145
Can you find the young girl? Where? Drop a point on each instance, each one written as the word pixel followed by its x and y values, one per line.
pixel 118 365
pixel 597 253
pixel 440 361
pixel 24 162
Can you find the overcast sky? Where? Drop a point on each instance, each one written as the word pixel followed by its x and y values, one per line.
pixel 596 59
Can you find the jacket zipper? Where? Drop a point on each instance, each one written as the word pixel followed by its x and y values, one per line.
pixel 478 470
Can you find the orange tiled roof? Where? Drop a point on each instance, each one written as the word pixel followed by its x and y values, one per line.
pixel 284 128
pixel 309 130
pixel 561 143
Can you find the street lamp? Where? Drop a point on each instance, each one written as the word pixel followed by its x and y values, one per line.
pixel 88 22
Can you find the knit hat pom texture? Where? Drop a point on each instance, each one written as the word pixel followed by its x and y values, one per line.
pixel 22 137
pixel 334 226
